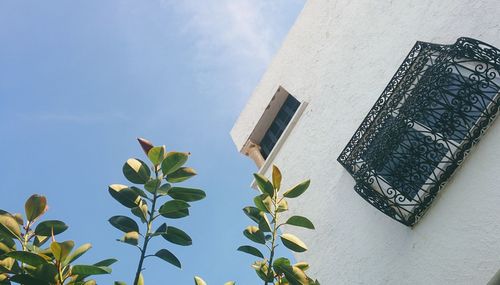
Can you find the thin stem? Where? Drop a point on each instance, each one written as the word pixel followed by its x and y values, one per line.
pixel 147 237
pixel 26 236
pixel 282 224
pixel 25 241
pixel 273 241
pixel 61 280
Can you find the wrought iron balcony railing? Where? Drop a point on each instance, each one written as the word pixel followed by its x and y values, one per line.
pixel 433 111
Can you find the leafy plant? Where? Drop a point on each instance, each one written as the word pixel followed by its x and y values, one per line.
pixel 167 168
pixel 266 214
pixel 199 281
pixel 33 265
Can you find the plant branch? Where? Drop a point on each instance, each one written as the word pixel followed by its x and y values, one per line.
pixel 273 241
pixel 25 240
pixel 147 237
pixel 59 269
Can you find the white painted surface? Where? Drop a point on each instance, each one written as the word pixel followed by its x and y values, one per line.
pixel 339 56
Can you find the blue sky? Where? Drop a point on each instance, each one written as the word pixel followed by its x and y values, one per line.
pixel 80 80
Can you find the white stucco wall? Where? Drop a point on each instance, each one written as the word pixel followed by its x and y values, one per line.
pixel 339 56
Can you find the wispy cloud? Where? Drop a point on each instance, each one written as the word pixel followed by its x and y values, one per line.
pixel 235 28
pixel 243 34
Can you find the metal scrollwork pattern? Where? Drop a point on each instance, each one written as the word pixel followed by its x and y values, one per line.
pixel 433 111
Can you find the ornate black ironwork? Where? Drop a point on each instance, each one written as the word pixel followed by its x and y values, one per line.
pixel 433 111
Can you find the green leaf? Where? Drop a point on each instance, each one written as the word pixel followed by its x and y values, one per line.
pixel 10 265
pixel 264 224
pixel 282 206
pixel 40 240
pixel 131 238
pixel 124 224
pixel 276 177
pixel 293 243
pixel 141 211
pixel 264 184
pixel 181 174
pixel 294 275
pixel 263 202
pixel 139 191
pixel 61 250
pixel 152 185
pixel 186 194
pixel 156 154
pixel 199 281
pixel 46 272
pixel 78 252
pixel 254 234
pixel 177 236
pixel 281 262
pixel 230 283
pixel 164 189
pixel 106 262
pixel 19 219
pixel 4 249
pixel 35 206
pixel 120 283
pixel 251 250
pixel 263 271
pixel 162 229
pixel 259 217
pixel 177 215
pixel 174 209
pixel 136 171
pixel 8 241
pixel 297 190
pixel 300 221
pixel 26 279
pixel 29 258
pixel 49 227
pixel 9 226
pixel 253 213
pixel 126 196
pixel 87 270
pixel 168 257
pixel 173 161
pixel 302 265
